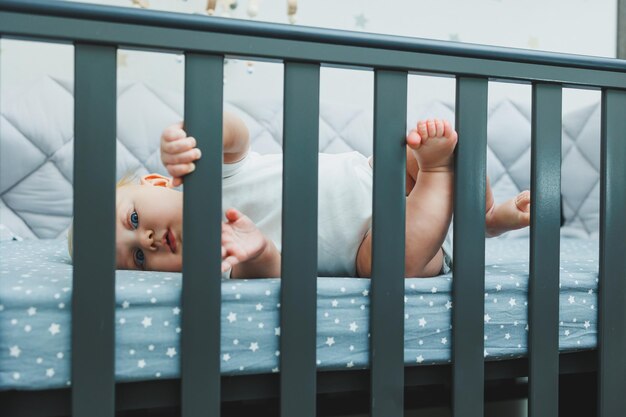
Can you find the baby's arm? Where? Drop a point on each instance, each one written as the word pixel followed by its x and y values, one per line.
pixel 246 250
pixel 178 151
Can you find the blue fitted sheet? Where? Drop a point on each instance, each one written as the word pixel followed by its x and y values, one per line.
pixel 35 320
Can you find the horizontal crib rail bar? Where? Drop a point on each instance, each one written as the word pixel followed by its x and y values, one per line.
pixel 388 240
pixel 93 296
pixel 231 37
pixel 545 218
pixel 192 22
pixel 166 392
pixel 202 208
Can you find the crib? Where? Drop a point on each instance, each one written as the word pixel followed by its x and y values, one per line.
pixel 298 389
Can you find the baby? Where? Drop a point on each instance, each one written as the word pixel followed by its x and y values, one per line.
pixel 149 214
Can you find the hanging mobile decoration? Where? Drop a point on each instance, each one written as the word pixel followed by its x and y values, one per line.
pixel 292 8
pixel 210 7
pixel 143 4
pixel 253 8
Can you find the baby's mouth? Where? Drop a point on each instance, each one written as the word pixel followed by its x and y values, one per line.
pixel 171 240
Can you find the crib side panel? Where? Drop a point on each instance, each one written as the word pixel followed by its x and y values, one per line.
pixel 202 216
pixel 545 217
pixel 612 285
pixel 388 250
pixel 468 270
pixel 93 293
pixel 298 298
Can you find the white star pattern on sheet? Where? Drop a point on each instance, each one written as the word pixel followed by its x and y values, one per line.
pixel 365 293
pixel 512 302
pixel 54 329
pixel 350 364
pixel 32 311
pixel 349 339
pixel 487 318
pixel 419 359
pixel 146 322
pixel 571 299
pixel 334 303
pixel 125 304
pixel 232 317
pixel 171 352
pixel 141 363
pixel 254 346
pixel 422 322
pixel 15 351
pixel 330 341
pixel 259 307
pixel 50 372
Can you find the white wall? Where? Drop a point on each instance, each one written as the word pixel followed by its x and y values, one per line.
pixel 571 26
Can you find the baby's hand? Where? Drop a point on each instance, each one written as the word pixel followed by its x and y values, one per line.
pixel 241 240
pixel 178 152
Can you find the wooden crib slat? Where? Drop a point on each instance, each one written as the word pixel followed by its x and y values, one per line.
pixel 298 298
pixel 93 293
pixel 612 285
pixel 468 285
pixel 388 234
pixel 543 292
pixel 201 291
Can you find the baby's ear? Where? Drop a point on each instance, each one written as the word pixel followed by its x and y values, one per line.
pixel 156 180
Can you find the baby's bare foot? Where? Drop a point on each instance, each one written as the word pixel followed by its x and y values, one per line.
pixel 432 143
pixel 511 215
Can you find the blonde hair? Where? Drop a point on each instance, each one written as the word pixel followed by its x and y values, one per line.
pixel 128 178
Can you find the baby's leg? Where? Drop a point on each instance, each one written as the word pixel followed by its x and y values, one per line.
pixel 428 204
pixel 499 218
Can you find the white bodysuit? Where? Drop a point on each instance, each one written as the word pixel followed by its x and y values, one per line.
pixel 254 187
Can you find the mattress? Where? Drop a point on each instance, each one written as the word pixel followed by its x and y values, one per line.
pixel 35 316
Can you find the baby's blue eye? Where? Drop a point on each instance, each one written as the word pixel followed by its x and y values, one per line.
pixel 134 219
pixel 139 258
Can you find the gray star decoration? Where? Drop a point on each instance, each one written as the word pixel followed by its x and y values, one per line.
pixel 360 21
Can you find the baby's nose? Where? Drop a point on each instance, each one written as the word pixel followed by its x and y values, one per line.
pixel 147 239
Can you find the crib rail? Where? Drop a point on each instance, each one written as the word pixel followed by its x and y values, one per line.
pixel 97 31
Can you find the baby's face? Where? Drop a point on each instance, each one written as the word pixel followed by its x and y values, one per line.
pixel 149 228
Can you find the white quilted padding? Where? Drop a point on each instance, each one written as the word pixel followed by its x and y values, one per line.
pixel 36 147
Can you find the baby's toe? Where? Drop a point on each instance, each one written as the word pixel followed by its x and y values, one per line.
pixel 432 128
pixel 439 128
pixel 422 129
